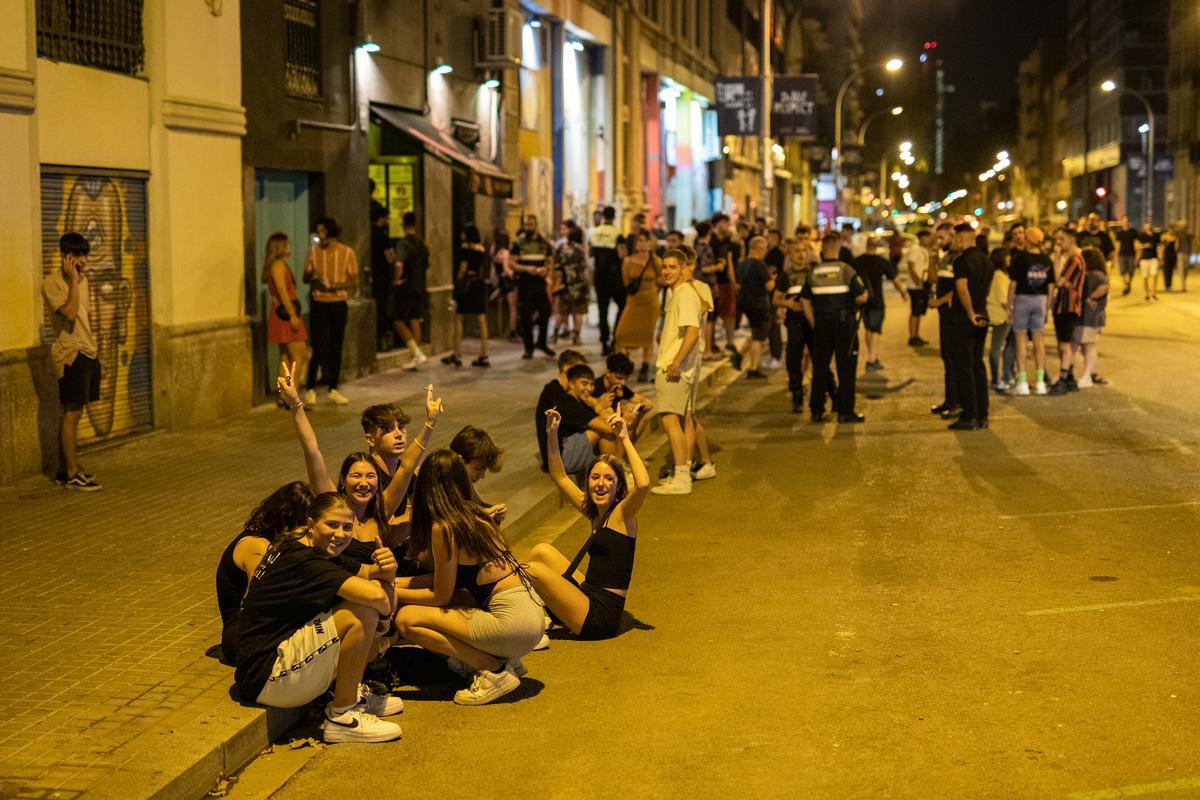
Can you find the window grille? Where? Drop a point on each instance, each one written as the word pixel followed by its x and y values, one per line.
pixel 94 33
pixel 303 76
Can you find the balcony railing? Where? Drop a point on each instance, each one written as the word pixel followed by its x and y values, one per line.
pixel 106 34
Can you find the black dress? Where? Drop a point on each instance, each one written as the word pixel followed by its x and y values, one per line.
pixel 470 290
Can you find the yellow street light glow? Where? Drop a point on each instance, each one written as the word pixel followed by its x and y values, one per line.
pixel 1002 155
pixel 897 111
pixel 1108 85
pixel 893 65
pixel 905 146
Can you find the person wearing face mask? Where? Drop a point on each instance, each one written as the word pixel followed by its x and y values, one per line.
pixel 308 620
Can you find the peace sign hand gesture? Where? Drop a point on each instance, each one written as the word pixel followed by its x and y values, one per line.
pixel 286 385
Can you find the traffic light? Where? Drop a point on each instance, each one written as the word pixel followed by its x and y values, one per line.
pixel 1101 192
pixel 930 46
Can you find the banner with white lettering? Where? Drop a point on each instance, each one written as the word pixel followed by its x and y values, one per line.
pixel 794 106
pixel 739 106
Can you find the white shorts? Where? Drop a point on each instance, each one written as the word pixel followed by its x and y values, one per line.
pixel 1148 267
pixel 678 397
pixel 305 664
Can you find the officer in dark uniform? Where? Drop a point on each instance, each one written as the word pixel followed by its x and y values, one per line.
pixel 943 291
pixel 534 260
pixel 831 297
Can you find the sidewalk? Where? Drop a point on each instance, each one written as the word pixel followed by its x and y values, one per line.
pixel 105 684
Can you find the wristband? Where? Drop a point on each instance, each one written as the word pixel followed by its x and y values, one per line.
pixel 299 404
pixel 427 425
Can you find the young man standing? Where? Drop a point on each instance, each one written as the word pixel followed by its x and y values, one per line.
pixel 331 270
pixel 788 286
pixel 74 352
pixel 534 260
pixel 727 252
pixel 915 263
pixel 943 289
pixel 678 367
pixel 1068 305
pixel 410 298
pixel 606 271
pixel 754 301
pixel 872 268
pixel 1147 260
pixel 1126 253
pixel 968 328
pixel 1031 274
pixel 830 298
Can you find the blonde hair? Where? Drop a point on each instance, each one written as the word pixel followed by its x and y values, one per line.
pixel 277 244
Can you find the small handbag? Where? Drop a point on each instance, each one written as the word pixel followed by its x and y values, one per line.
pixel 634 285
pixel 281 310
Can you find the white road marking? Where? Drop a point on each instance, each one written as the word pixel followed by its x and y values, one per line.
pixel 1042 612
pixel 1139 789
pixel 1100 510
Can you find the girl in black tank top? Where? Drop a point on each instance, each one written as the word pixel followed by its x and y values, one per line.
pixel 591 606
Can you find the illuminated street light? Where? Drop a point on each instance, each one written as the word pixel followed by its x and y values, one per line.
pixel 893 65
pixel 1108 85
pixel 1144 127
pixel 905 146
pixel 897 110
pixel 1002 155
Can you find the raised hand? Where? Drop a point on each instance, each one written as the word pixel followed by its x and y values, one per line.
pixel 619 428
pixel 385 559
pixel 553 418
pixel 433 405
pixel 286 385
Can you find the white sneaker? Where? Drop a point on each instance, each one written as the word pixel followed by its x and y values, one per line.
pixel 678 484
pixel 1085 382
pixel 543 643
pixel 379 705
pixel 338 398
pixel 1041 387
pixel 516 667
pixel 1022 389
pixel 486 687
pixel 705 472
pixel 310 397
pixel 356 725
pixel 418 359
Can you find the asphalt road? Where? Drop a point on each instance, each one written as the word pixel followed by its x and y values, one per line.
pixel 889 610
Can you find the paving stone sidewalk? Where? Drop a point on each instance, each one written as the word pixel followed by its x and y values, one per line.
pixel 110 596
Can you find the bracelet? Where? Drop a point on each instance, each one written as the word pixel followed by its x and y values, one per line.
pixel 427 425
pixel 417 442
pixel 299 404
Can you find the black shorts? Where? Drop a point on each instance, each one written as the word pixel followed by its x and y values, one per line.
pixel 603 620
pixel 919 301
pixel 873 319
pixel 760 318
pixel 80 382
pixel 1064 326
pixel 407 304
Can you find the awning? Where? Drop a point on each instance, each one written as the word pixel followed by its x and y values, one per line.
pixel 486 177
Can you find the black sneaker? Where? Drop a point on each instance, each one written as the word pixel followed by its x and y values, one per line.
pixel 963 424
pixel 1096 379
pixel 528 354
pixel 735 359
pixel 482 361
pixel 939 408
pixel 983 424
pixel 853 416
pixel 546 350
pixel 817 416
pixel 755 374
pixel 797 402
pixel 1059 388
pixel 81 484
pixel 874 366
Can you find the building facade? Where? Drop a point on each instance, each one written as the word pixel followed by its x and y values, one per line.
pixel 1182 192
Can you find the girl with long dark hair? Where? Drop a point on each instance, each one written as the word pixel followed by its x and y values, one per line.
pixel 468 553
pixel 591 605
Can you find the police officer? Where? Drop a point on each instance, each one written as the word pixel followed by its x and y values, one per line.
pixel 942 265
pixel 534 260
pixel 831 297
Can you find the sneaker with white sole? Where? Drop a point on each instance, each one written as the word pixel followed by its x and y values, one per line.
pixel 310 397
pixel 705 472
pixel 486 687
pixel 1085 382
pixel 1041 388
pixel 678 484
pixel 418 359
pixel 380 705
pixel 338 398
pixel 357 725
pixel 1021 389
pixel 543 643
pixel 79 483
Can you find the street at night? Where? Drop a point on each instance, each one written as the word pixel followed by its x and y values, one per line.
pixel 599 399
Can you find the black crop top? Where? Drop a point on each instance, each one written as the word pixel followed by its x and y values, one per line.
pixel 611 559
pixel 467 577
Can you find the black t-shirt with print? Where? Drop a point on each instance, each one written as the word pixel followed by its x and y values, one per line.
pixel 1125 240
pixel 292 584
pixel 1031 272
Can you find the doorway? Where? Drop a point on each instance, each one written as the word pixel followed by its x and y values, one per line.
pixel 280 204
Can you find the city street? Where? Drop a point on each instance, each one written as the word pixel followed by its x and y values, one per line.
pixel 888 610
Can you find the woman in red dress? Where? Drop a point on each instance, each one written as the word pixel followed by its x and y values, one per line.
pixel 285 325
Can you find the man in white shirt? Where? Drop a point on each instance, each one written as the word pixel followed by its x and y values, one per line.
pixel 914 267
pixel 678 367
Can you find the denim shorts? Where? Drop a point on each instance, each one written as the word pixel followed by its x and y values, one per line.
pixel 1029 312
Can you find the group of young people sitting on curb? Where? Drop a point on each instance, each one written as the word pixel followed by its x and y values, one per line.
pixel 398 548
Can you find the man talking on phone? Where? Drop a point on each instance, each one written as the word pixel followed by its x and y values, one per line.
pixel 74 352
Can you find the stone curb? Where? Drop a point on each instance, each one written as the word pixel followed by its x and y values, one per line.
pixel 186 754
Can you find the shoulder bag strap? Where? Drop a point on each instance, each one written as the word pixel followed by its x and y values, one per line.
pixel 575 562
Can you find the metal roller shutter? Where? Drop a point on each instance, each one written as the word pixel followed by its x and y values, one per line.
pixel 109 209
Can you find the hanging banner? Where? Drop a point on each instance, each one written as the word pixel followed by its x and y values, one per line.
pixel 794 106
pixel 739 101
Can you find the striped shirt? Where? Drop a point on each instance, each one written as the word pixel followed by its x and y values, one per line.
pixel 1069 298
pixel 332 265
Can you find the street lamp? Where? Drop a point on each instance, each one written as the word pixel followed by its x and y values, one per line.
pixel 895 111
pixel 1111 86
pixel 891 65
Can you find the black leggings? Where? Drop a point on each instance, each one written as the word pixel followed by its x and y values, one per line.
pixel 946 346
pixel 532 302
